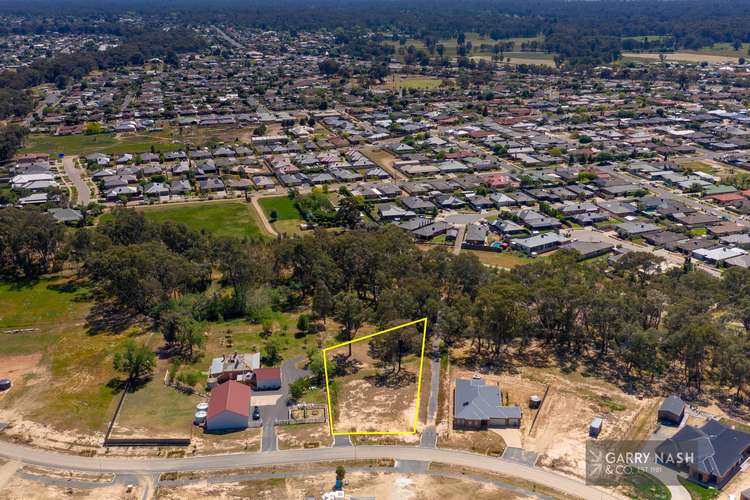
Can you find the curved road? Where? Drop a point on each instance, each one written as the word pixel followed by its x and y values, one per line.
pixel 35 456
pixel 74 174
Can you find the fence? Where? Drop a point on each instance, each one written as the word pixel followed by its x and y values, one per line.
pixel 294 421
pixel 147 442
pixel 176 384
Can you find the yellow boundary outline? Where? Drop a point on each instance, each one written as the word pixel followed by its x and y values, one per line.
pixel 419 380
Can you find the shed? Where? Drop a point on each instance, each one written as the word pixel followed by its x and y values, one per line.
pixel 672 410
pixel 228 408
pixel 267 379
pixel 596 427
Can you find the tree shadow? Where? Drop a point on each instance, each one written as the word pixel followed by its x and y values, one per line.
pixel 393 379
pixel 118 385
pixel 19 285
pixel 343 365
pixel 110 317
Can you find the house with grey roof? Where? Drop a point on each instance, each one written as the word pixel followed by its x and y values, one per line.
pixel 635 229
pixel 476 235
pixel 394 212
pixel 539 243
pixel 66 215
pixel 715 452
pixel 477 405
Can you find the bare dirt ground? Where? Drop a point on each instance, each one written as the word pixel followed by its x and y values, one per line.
pixel 213 444
pixel 561 430
pixel 23 370
pixel 369 394
pixel 23 489
pixel 385 160
pixel 303 436
pixel 736 486
pixel 362 484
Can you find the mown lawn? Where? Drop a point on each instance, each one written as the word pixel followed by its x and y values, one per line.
pixel 427 83
pixel 232 218
pixel 283 205
pixel 698 492
pixel 643 485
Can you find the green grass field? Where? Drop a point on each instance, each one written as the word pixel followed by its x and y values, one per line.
pixel 421 83
pixel 101 143
pixel 283 205
pixel 156 410
pixel 230 218
pixel 60 371
pixel 42 302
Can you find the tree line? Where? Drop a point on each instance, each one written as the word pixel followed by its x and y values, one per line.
pixel 632 321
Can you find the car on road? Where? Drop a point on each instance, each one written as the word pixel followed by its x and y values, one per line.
pixel 256 413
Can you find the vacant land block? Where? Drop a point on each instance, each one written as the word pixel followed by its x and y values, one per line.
pixel 60 368
pixel 373 382
pixel 223 218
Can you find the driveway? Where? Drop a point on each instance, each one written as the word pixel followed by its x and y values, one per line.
pixel 270 413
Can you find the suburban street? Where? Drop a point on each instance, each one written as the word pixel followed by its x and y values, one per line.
pixel 74 174
pixel 34 456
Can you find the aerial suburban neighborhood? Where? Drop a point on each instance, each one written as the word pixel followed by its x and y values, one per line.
pixel 382 250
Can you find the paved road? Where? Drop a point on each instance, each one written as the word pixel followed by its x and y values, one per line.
pixel 74 174
pixel 126 102
pixel 547 478
pixel 429 434
pixel 459 239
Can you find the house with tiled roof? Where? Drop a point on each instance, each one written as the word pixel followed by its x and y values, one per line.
pixel 477 405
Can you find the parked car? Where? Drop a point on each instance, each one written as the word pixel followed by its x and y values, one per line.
pixel 256 413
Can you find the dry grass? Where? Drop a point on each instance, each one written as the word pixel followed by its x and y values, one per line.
pixel 485 442
pixel 684 57
pixel 303 436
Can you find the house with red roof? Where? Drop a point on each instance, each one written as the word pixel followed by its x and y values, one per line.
pixel 726 198
pixel 228 408
pixel 267 379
